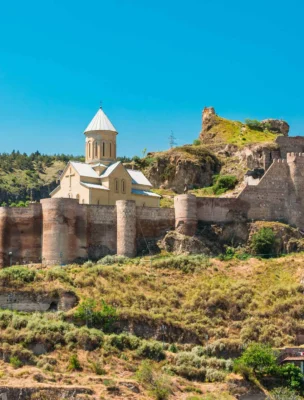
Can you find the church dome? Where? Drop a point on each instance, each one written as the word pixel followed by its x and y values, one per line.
pixel 100 122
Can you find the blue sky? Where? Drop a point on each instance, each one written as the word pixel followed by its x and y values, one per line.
pixel 154 64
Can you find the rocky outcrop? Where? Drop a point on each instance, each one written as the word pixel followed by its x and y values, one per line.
pixel 149 329
pixel 54 393
pixel 193 166
pixel 213 239
pixel 276 125
pixel 37 301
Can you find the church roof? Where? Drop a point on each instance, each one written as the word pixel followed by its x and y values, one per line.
pixel 100 122
pixel 84 169
pixel 138 178
pixel 145 193
pixel 94 186
pixel 110 169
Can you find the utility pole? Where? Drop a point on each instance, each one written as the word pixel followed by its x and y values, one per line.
pixel 172 140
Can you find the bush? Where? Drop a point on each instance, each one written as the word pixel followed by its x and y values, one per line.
pixel 283 393
pixel 263 242
pixel 260 358
pixel 96 314
pixel 184 263
pixel 87 339
pixel 17 274
pixel 124 341
pixel 110 260
pixel 74 363
pixel 157 383
pixel 88 264
pixel 191 373
pixel 151 350
pixel 223 183
pixel 196 142
pixel 15 362
pixel 214 375
pixel 253 124
pixel 292 375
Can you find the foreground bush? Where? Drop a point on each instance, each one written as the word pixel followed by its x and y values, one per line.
pixel 152 350
pixel 263 242
pixel 283 393
pixel 184 263
pixel 157 383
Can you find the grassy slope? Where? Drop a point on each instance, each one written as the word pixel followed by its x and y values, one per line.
pixel 230 132
pixel 230 302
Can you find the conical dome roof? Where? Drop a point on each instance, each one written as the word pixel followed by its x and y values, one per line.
pixel 100 122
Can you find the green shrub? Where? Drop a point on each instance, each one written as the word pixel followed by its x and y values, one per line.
pixel 152 350
pixel 196 142
pixel 292 375
pixel 186 264
pixel 224 183
pixel 110 260
pixel 124 341
pixel 15 362
pixel 263 242
pixel 253 124
pixel 190 373
pixel 283 393
pixel 214 375
pixel 88 264
pixel 17 274
pixel 97 368
pixel 260 358
pixel 87 339
pixel 96 314
pixel 74 363
pixel 157 383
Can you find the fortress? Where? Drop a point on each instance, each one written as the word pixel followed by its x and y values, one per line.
pixel 63 230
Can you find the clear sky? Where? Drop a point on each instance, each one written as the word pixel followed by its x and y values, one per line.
pixel 154 64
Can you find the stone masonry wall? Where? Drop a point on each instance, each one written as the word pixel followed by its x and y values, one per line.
pixel 290 144
pixel 221 209
pixel 101 231
pixel 20 234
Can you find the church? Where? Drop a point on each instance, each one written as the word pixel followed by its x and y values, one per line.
pixel 102 180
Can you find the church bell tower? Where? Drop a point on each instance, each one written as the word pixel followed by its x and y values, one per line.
pixel 100 144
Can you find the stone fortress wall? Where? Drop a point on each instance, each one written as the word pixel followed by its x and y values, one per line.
pixel 60 231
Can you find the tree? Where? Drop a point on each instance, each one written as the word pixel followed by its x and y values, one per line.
pixel 263 242
pixel 258 358
pixel 292 375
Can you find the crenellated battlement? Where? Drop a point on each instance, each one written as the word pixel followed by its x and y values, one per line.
pixel 295 157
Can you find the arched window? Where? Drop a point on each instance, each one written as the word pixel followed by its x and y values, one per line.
pixel 123 186
pixel 110 149
pixel 96 154
pixel 82 201
pixel 78 197
pixel 89 146
pixel 103 149
pixel 116 186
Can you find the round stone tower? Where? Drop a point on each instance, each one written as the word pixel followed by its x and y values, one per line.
pixel 185 214
pixel 126 228
pixel 60 244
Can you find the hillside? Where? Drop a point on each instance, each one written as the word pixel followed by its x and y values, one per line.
pixel 225 149
pixel 191 316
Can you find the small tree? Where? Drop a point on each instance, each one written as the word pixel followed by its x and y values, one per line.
pixel 283 393
pixel 258 358
pixel 292 375
pixel 263 242
pixel 253 124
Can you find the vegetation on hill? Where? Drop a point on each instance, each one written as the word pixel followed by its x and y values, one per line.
pixel 192 316
pixel 225 131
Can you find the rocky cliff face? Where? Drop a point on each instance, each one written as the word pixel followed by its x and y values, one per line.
pixel 191 166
